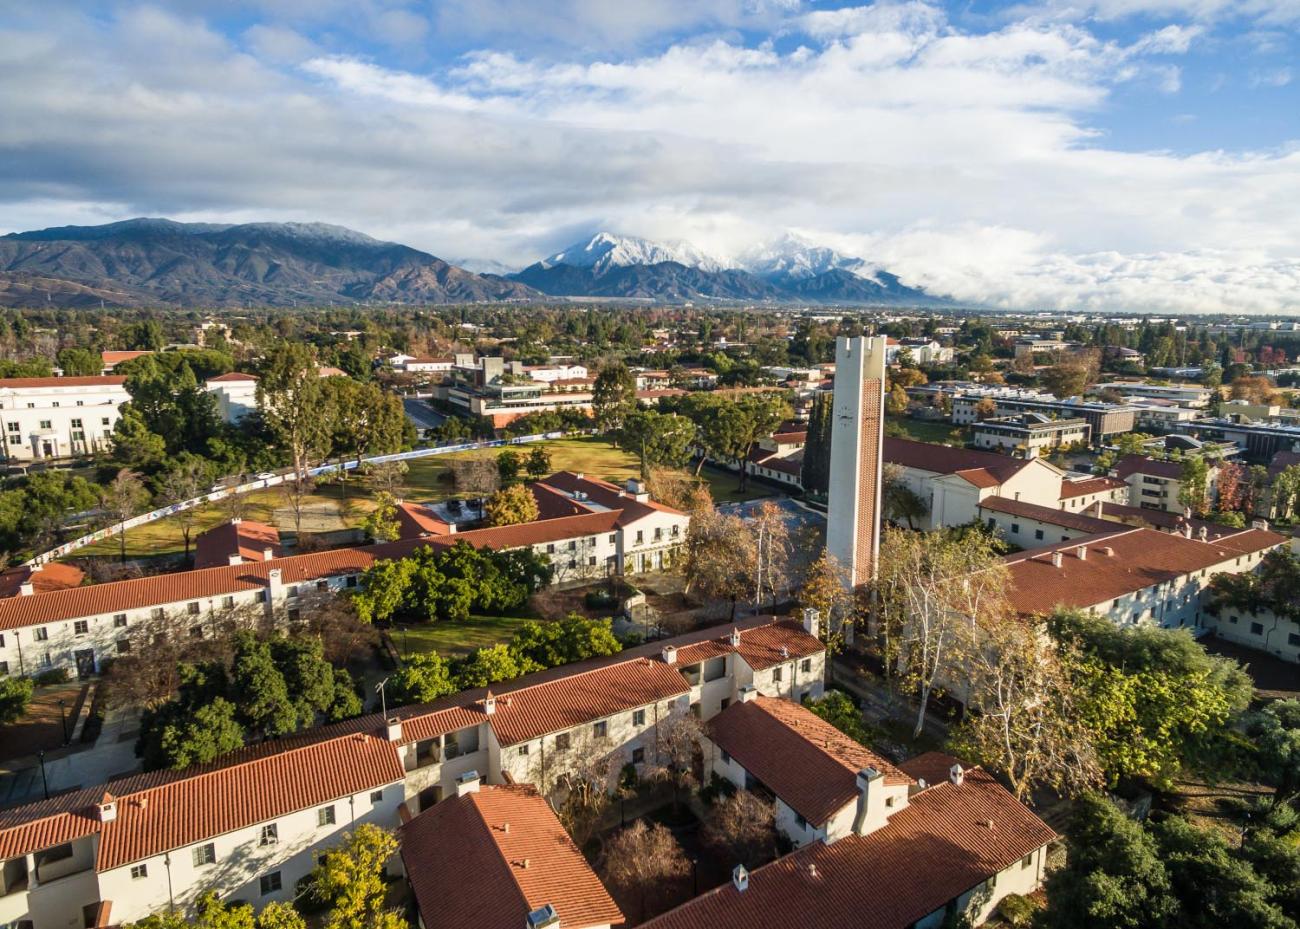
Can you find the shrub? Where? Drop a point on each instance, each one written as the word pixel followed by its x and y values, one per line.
pixel 15 693
pixel 1017 911
pixel 53 676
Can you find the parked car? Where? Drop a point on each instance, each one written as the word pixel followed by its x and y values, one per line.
pixel 264 475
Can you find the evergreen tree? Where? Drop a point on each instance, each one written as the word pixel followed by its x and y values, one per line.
pixel 815 474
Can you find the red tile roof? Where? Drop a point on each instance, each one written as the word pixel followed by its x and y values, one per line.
pixel 980 468
pixel 1049 515
pixel 760 646
pixel 932 851
pixel 53 576
pixel 245 538
pixel 540 532
pixel 416 520
pixel 608 495
pixel 800 757
pixel 20 383
pixel 110 359
pixel 232 376
pixel 1159 519
pixel 1092 485
pixel 1141 558
pixel 487 859
pixel 1140 464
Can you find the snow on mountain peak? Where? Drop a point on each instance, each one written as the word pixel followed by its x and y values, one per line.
pixel 795 257
pixel 606 250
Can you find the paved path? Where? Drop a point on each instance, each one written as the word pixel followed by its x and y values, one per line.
pixel 112 755
pixel 420 413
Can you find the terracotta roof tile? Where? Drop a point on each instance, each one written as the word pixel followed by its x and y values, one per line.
pixel 932 851
pixel 1139 464
pixel 800 757
pixel 245 538
pixel 20 383
pixel 53 576
pixel 1093 485
pixel 231 377
pixel 944 459
pixel 485 860
pixel 1049 515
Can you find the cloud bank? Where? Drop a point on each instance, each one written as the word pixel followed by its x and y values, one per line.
pixel 967 161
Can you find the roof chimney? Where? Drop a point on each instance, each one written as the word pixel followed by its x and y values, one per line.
pixel 489 704
pixel 1259 524
pixel 394 729
pixel 234 558
pixel 1187 530
pixel 670 654
pixel 26 588
pixel 1108 551
pixel 734 638
pixel 107 809
pixel 1056 559
pixel 543 917
pixel 268 553
pixel 868 796
pixel 1203 534
pixel 740 878
pixel 812 622
pixel 746 693
pixel 276 589
pixel 957 774
pixel 467 783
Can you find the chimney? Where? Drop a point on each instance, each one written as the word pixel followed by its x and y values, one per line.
pixel 394 729
pixel 236 520
pixel 234 558
pixel 1056 559
pixel 870 794
pixel 1108 551
pixel 1082 552
pixel 746 693
pixel 636 490
pixel 275 588
pixel 451 528
pixel 734 638
pixel 812 622
pixel 107 809
pixel 467 783
pixel 36 567
pixel 268 553
pixel 670 654
pixel 740 878
pixel 26 588
pixel 489 704
pixel 957 774
pixel 580 476
pixel 1259 524
pixel 1203 534
pixel 543 917
pixel 1187 530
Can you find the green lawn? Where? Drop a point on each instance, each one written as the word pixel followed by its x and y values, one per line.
pixel 922 431
pixel 455 638
pixel 724 486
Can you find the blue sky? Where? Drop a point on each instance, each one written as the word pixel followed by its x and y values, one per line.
pixel 1126 154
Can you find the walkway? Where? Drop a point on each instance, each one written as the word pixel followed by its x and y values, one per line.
pixel 112 755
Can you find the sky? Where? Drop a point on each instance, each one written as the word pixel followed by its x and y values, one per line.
pixel 1054 154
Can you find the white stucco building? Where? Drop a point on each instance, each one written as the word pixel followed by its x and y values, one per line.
pixel 59 417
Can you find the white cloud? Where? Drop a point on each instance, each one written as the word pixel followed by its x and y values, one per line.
pixel 968 162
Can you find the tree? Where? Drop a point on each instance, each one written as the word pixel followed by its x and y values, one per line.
pixel 349 879
pixel 508 466
pixel 741 827
pixel 838 709
pixel 1256 389
pixel 476 475
pixel 900 502
pixel 133 444
pixel 613 396
pixel 123 498
pixel 1069 377
pixel 896 401
pixel 1275 732
pixel 641 857
pixel 382 524
pixel 719 557
pixel 213 913
pixel 986 408
pixel 574 638
pixel 826 589
pixel 188 478
pixel 677 745
pixel 814 474
pixel 489 665
pixel 385 476
pixel 772 550
pixel 538 462
pixel 79 362
pixel 291 399
pixel 422 678
pixel 679 490
pixel 15 694
pixel 512 505
pixel 295 491
pixel 177 736
pixel 662 439
pixel 1193 484
pixel 364 420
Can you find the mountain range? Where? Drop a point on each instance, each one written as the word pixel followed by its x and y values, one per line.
pixel 161 262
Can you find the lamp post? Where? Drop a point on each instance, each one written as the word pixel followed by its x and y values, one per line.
pixel 63 720
pixel 44 781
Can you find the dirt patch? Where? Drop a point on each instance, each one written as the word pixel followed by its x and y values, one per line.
pixel 1216 806
pixel 1274 678
pixel 41 729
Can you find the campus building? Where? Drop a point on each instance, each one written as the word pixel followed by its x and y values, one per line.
pixel 59 417
pixel 588 528
pixel 1029 434
pixel 856 466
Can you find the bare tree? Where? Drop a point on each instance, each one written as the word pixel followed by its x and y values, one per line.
pixel 641 857
pixel 333 619
pixel 677 749
pixel 578 781
pixel 771 571
pixel 185 482
pixel 386 476
pixel 476 475
pixel 743 828
pixel 295 491
pixel 123 498
pixel 720 557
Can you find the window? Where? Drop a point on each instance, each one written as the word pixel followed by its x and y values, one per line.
pixel 591 560
pixel 139 871
pixel 600 729
pixel 1232 620
pixel 1027 861
pixel 46 424
pixel 638 756
pixel 80 627
pixel 523 750
pixel 295 614
pixel 124 646
pixel 550 548
pixel 805 665
pixel 638 717
pixel 4 667
pixel 325 816
pixel 119 621
pixel 104 421
pixel 196 632
pixel 14 427
pixel 612 538
pixel 777 673
pixel 1293 638
pixel 351 581
pixel 1015 527
pixel 562 742
pixel 659 533
pixel 192 608
pixel 227 603
pixel 1038 534
pixel 322 585
pixel 1256 628
pixel 640 536
pixel 270 835
pixel 205 855
pixel 270 883
pixel 726 759
pixel 376 796
pixel 76 424
pixel 800 821
pixel 573 545
pixel 156 612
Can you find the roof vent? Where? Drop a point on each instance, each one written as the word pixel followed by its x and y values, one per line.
pixel 785 652
pixel 812 869
pixel 1108 551
pixel 234 558
pixel 740 878
pixel 1203 534
pixel 957 774
pixel 1056 559
pixel 268 554
pixel 107 808
pixel 543 917
pixel 747 693
pixel 1082 552
pixel 988 824
pixel 26 588
pixel 1259 524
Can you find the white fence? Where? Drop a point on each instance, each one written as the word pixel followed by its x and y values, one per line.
pixel 109 532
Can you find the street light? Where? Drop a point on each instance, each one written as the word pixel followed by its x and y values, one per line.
pixel 63 721
pixel 44 781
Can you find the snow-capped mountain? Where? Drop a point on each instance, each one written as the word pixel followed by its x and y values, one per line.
pixel 606 250
pixel 795 258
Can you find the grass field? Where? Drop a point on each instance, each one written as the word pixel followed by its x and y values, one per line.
pixel 922 431
pixel 455 638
